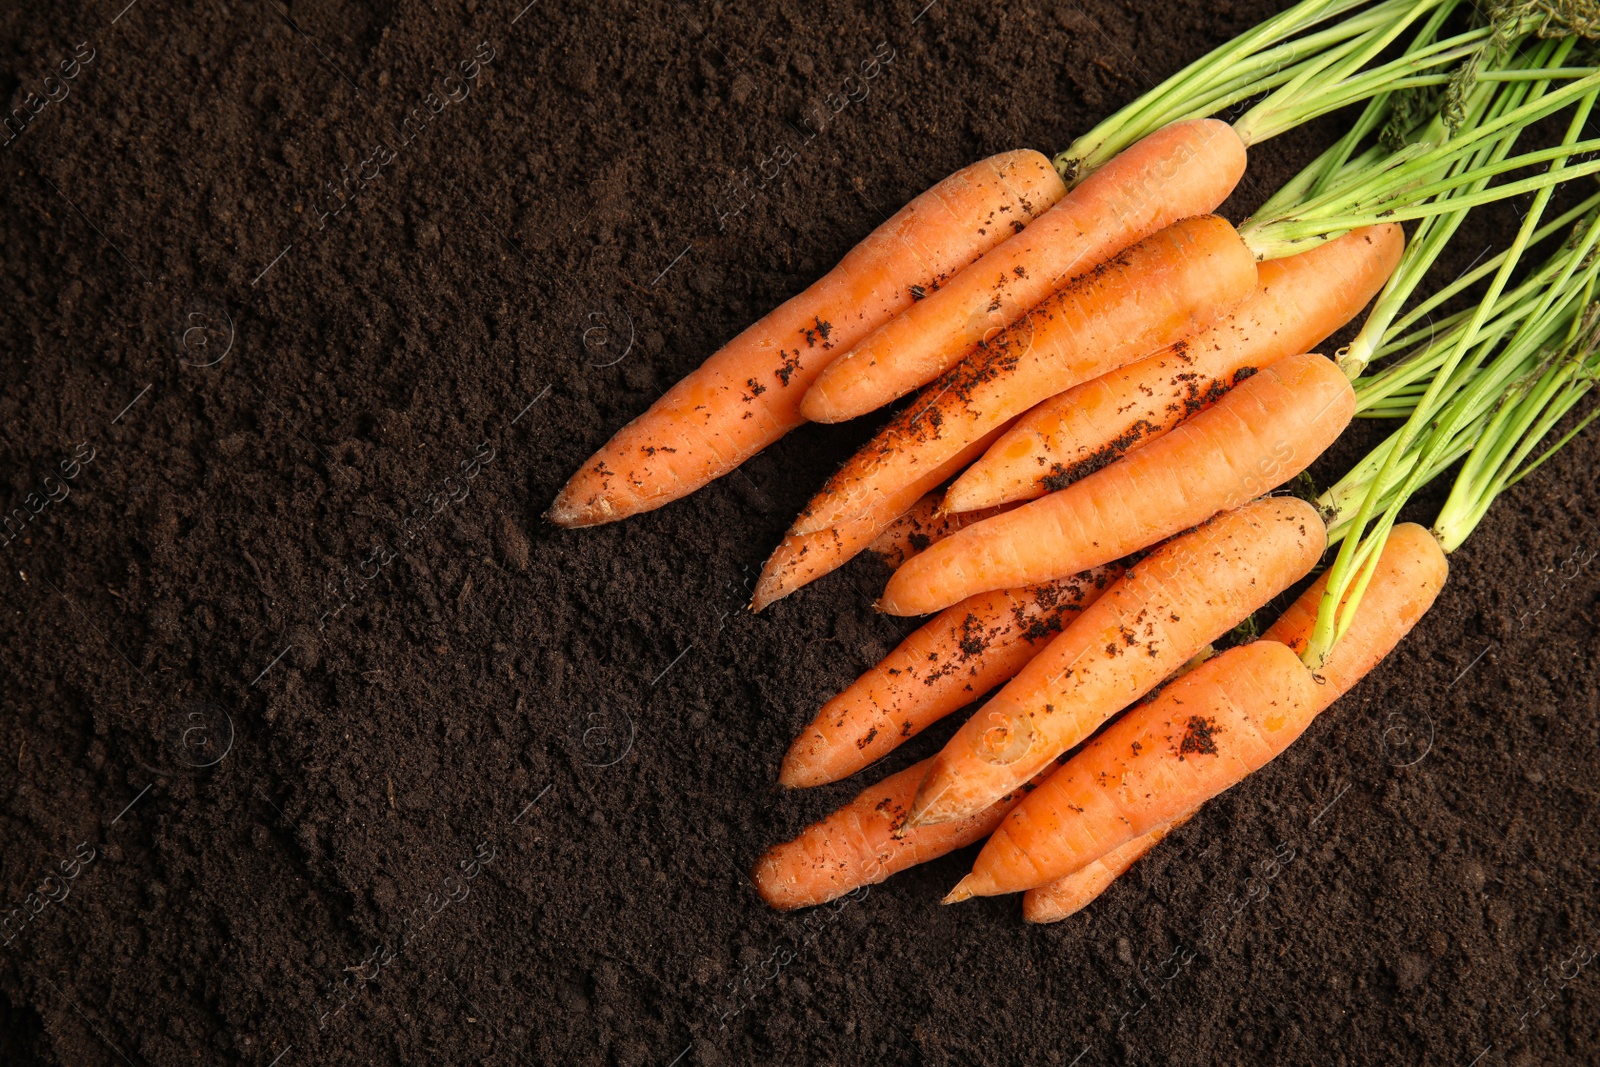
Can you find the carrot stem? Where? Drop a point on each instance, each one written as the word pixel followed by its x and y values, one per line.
pixel 1497 414
pixel 1379 109
pixel 1523 419
pixel 1532 314
pixel 1536 309
pixel 1395 336
pixel 1434 435
pixel 1256 61
pixel 1300 101
pixel 1429 240
pixel 1405 185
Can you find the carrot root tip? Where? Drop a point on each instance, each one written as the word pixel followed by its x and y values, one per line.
pixel 959 893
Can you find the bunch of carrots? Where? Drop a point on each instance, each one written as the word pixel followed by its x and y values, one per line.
pixel 1113 381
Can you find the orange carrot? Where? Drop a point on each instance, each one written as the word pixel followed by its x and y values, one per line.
pixel 801 559
pixel 1182 596
pixel 860 844
pixel 947 664
pixel 865 841
pixel 1206 731
pixel 1169 285
pixel 1067 896
pixel 1297 303
pixel 1411 570
pixel 927 523
pixel 1185 169
pixel 1259 435
pixel 747 395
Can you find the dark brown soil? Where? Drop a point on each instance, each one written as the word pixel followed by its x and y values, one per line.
pixel 318 746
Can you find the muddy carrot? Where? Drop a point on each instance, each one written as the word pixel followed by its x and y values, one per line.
pixel 1259 435
pixel 1206 731
pixel 864 842
pixel 860 845
pixel 801 559
pixel 1067 896
pixel 945 665
pixel 1187 168
pixel 927 523
pixel 747 395
pixel 1179 598
pixel 1167 286
pixel 1297 303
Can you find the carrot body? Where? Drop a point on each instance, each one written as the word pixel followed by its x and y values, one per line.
pixel 1203 733
pixel 1167 286
pixel 858 845
pixel 1067 896
pixel 925 524
pixel 1297 303
pixel 747 395
pixel 1185 169
pixel 947 664
pixel 1411 570
pixel 1182 596
pixel 801 559
pixel 1259 435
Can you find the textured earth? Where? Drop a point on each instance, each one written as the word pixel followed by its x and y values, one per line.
pixel 319 746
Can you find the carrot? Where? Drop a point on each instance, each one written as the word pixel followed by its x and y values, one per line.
pixel 1167 286
pixel 1297 303
pixel 1259 435
pixel 1411 570
pixel 1187 168
pixel 861 844
pixel 1182 596
pixel 747 395
pixel 1206 731
pixel 866 841
pixel 927 523
pixel 1067 896
pixel 801 559
pixel 945 665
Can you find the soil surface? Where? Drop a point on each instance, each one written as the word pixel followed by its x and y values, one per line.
pixel 319 746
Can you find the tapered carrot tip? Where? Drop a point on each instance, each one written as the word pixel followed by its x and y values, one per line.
pixel 928 810
pixel 916 816
pixel 959 893
pixel 568 513
pixel 761 599
pixel 794 773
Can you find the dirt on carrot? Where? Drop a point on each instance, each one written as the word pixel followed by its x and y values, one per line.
pixel 1170 285
pixel 1297 302
pixel 1185 169
pixel 747 394
pixel 946 664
